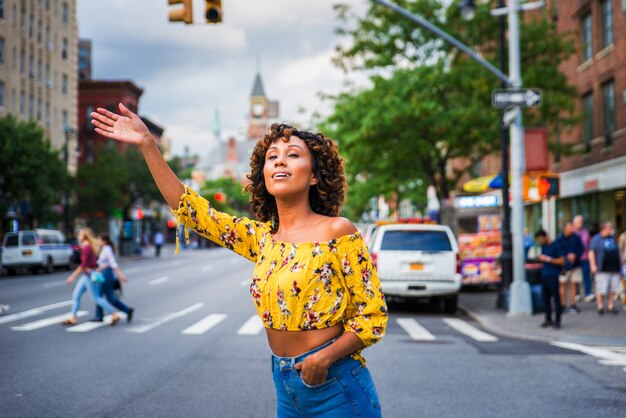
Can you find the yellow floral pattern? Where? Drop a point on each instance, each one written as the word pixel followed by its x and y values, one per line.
pixel 304 286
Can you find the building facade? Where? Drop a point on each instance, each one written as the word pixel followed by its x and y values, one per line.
pixel 38 67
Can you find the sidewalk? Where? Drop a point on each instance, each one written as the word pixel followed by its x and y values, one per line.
pixel 586 328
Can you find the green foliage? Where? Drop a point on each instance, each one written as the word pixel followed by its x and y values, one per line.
pixel 237 200
pixel 428 102
pixel 32 171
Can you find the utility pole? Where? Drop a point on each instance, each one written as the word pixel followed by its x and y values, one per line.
pixel 519 300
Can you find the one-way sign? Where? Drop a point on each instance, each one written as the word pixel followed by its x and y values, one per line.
pixel 505 98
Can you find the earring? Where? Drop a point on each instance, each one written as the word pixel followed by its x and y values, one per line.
pixel 273 223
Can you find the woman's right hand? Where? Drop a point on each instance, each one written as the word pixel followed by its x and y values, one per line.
pixel 125 127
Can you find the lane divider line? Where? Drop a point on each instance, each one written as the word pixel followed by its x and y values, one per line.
pixel 467 329
pixel 204 324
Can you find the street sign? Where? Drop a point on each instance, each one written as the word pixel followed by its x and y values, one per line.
pixel 505 98
pixel 509 116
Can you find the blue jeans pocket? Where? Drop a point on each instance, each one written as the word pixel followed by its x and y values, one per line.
pixel 365 381
pixel 327 383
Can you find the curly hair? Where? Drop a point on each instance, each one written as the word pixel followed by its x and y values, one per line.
pixel 326 197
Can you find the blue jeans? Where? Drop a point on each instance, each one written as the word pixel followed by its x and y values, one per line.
pixel 85 283
pixel 349 390
pixel 108 292
pixel 584 264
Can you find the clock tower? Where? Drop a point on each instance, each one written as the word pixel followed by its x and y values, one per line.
pixel 262 110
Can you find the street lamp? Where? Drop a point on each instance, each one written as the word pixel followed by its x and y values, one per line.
pixel 468 9
pixel 66 199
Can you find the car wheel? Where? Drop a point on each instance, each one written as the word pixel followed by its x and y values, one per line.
pixel 450 304
pixel 49 267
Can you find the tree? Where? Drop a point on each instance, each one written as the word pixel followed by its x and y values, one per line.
pixel 237 200
pixel 392 47
pixel 32 173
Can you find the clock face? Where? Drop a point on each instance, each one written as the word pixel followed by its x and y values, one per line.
pixel 257 109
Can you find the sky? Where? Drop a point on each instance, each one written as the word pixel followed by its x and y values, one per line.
pixel 187 71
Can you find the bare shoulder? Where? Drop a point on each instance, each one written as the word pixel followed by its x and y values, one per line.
pixel 341 226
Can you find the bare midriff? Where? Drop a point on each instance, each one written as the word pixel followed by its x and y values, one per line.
pixel 294 343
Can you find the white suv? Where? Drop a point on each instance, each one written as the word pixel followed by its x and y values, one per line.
pixel 418 261
pixel 41 248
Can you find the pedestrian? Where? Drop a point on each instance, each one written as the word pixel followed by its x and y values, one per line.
pixel 552 258
pixel 159 239
pixel 571 276
pixel 585 238
pixel 605 261
pixel 107 265
pixel 88 278
pixel 314 284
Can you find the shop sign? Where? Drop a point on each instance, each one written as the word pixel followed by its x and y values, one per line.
pixel 473 202
pixel 591 185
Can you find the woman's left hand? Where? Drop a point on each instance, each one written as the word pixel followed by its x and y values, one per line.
pixel 314 370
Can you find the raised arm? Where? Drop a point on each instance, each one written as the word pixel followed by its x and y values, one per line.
pixel 129 128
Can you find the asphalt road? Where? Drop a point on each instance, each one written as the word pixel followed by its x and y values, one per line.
pixel 195 349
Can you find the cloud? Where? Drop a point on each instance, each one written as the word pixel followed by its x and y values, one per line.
pixel 187 71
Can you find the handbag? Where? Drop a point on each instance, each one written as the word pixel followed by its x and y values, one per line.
pixel 96 277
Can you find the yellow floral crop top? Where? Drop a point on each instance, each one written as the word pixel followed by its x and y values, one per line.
pixel 304 286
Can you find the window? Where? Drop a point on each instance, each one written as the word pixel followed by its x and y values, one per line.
pixel 608 110
pixel 22 102
pixel 23 18
pixel 47 113
pixel 31 106
pixel 2 46
pixel 14 58
pixel 39 31
pixel 607 23
pixel 88 110
pixel 12 241
pixel 22 61
pixel 31 26
pixel 415 241
pixel 47 4
pixel 31 66
pixel 1 93
pixel 1 9
pixel 587 121
pixel 64 120
pixel 624 5
pixel 29 239
pixel 48 79
pixel 39 110
pixel 64 86
pixel 48 44
pixel 64 49
pixel 586 37
pixel 39 71
pixel 64 12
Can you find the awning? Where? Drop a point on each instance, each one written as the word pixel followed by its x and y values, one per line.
pixel 482 184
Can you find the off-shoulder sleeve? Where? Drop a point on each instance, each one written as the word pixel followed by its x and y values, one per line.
pixel 366 314
pixel 240 235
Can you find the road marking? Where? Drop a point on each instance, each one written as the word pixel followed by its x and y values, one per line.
pixel 86 326
pixel 252 326
pixel 33 312
pixel 46 322
pixel 159 280
pixel 245 283
pixel 166 318
pixel 415 330
pixel 472 332
pixel 606 357
pixel 55 284
pixel 132 269
pixel 204 325
pixel 207 268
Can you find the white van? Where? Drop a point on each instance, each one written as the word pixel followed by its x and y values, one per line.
pixel 39 249
pixel 418 261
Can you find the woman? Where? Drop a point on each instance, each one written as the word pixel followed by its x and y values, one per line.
pixel 314 285
pixel 88 279
pixel 107 265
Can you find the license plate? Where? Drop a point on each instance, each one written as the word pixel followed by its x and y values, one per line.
pixel 27 252
pixel 417 266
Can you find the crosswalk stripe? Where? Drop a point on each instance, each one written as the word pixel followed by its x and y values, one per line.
pixel 46 322
pixel 33 312
pixel 55 284
pixel 415 330
pixel 204 324
pixel 252 326
pixel 166 319
pixel 607 357
pixel 86 326
pixel 159 280
pixel 472 332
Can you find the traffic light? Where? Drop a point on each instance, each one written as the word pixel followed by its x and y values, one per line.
pixel 548 186
pixel 181 14
pixel 213 11
pixel 220 197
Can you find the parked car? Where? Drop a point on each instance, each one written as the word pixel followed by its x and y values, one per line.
pixel 418 261
pixel 38 249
